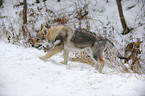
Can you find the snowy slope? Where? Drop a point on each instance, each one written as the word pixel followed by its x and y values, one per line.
pixel 22 73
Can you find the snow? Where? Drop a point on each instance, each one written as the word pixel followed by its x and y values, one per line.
pixel 22 73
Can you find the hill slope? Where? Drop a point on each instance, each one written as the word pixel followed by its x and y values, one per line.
pixel 24 74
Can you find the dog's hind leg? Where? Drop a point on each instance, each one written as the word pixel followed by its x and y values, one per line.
pixel 66 56
pixel 52 52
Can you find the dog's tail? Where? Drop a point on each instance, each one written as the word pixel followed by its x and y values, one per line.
pixel 114 49
pixel 121 57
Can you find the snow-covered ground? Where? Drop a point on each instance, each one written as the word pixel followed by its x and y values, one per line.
pixel 22 73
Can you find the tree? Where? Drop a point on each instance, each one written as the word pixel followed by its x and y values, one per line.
pixel 37 1
pixel 44 0
pixel 25 12
pixel 24 27
pixel 126 30
pixel 82 14
pixel 1 3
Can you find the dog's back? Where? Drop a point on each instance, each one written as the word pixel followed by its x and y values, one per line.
pixel 83 38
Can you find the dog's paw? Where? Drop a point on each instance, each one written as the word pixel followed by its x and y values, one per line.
pixel 62 62
pixel 42 58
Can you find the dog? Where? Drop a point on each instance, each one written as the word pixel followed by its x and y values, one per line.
pixel 131 52
pixel 66 39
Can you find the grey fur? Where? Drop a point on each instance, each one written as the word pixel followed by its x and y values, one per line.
pixel 72 39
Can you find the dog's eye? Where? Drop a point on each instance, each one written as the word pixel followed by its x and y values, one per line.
pixel 135 45
pixel 43 38
pixel 37 39
pixel 45 32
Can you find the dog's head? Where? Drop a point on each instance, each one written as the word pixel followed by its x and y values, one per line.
pixel 47 36
pixel 41 37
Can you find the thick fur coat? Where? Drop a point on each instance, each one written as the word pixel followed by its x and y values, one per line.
pixel 67 39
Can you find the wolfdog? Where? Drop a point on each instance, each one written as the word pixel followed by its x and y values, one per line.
pixel 66 39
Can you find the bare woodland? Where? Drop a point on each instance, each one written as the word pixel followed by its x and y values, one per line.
pixel 81 14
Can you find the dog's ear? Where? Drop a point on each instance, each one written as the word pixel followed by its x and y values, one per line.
pixel 41 26
pixel 44 30
pixel 141 41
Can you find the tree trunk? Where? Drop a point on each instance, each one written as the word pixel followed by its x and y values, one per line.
pixel 24 27
pixel 44 0
pixel 37 1
pixel 1 3
pixel 126 30
pixel 25 12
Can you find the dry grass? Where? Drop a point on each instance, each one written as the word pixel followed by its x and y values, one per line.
pixel 83 57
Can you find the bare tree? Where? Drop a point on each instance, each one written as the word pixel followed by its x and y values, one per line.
pixel 82 13
pixel 25 12
pixel 37 1
pixel 1 3
pixel 44 0
pixel 24 27
pixel 126 30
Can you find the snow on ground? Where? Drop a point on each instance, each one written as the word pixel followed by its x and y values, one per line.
pixel 22 73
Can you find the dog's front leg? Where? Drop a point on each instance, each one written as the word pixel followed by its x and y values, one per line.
pixel 101 65
pixel 66 56
pixel 52 52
